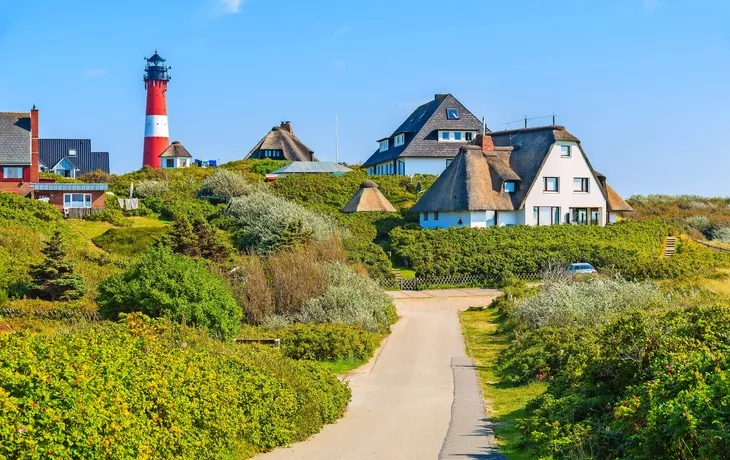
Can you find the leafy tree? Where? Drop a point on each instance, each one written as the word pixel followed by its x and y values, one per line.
pixel 55 278
pixel 165 284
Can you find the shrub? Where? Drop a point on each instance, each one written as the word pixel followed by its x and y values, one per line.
pixel 721 234
pixel 111 216
pixel 129 242
pixel 348 299
pixel 327 342
pixel 655 388
pixel 98 176
pixel 196 239
pixel 164 284
pixel 224 184
pixel 150 188
pixel 55 278
pixel 152 389
pixel 263 223
pixel 33 214
pixel 592 302
pixel 295 277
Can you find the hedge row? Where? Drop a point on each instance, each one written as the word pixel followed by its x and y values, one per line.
pixel 632 249
pixel 151 389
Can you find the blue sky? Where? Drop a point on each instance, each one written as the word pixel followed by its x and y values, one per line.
pixel 645 84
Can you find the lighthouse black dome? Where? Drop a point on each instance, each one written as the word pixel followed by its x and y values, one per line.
pixel 156 69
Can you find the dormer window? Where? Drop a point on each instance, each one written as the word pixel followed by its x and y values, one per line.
pixel 457 136
pixel 72 152
pixel 399 140
pixel 452 114
pixel 384 145
pixel 509 186
pixel 445 135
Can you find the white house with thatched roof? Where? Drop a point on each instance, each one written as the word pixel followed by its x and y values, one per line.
pixel 531 176
pixel 175 156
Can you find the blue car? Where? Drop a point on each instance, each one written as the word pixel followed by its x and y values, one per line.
pixel 582 269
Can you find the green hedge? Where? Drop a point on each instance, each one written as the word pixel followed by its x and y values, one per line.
pixel 151 389
pixel 632 249
pixel 328 342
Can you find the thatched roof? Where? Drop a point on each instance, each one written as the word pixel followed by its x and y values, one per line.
pixel 369 199
pixel 282 140
pixel 473 182
pixel 615 202
pixel 175 150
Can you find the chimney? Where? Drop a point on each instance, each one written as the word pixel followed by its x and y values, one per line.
pixel 34 144
pixel 485 142
pixel 439 96
pixel 286 125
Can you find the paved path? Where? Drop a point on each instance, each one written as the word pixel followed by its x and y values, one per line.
pixel 402 402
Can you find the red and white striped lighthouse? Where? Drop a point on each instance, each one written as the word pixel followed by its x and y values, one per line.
pixel 156 131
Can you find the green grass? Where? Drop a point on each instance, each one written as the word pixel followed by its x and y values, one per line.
pixel 343 365
pixel 504 403
pixel 88 229
pixel 149 222
pixel 129 242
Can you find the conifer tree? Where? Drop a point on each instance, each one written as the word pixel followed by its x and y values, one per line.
pixel 56 278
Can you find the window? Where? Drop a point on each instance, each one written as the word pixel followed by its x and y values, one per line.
pixel 579 215
pixel 452 114
pixel 448 162
pixel 384 145
pixel 401 168
pixel 551 184
pixel 509 186
pixel 12 172
pixel 564 150
pixel 76 200
pixel 435 215
pixel 457 135
pixel 72 152
pixel 169 162
pixel 580 184
pixel 444 135
pixel 400 139
pixel 536 214
pixel 595 216
pixel 425 216
pixel 468 136
pixel 556 215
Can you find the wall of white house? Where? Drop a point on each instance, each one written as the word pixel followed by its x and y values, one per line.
pixel 612 217
pixel 566 169
pixel 510 218
pixel 416 165
pixel 446 219
pixel 411 166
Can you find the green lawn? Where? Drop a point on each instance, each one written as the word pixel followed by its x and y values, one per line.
pixel 504 403
pixel 342 366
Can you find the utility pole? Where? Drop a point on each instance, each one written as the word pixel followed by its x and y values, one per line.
pixel 337 139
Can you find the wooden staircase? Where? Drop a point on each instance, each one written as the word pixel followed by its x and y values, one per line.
pixel 396 273
pixel 670 246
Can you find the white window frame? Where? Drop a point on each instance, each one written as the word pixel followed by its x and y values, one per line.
pixel 458 136
pixel 450 136
pixel 17 169
pixel 87 200
pixel 72 152
pixel 384 145
pixel 399 140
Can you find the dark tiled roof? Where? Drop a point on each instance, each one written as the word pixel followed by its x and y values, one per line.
pixel 156 58
pixel 421 131
pixel 282 138
pixel 51 151
pixel 15 138
pixel 175 150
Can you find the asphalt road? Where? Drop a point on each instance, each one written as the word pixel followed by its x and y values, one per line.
pixel 402 401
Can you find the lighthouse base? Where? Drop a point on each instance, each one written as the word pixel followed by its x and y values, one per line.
pixel 153 147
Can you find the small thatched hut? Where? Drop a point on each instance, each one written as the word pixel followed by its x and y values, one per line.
pixel 369 199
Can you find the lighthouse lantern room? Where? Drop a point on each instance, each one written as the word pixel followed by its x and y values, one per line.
pixel 156 133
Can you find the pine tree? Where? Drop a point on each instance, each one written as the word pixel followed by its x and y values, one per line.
pixel 210 245
pixel 56 278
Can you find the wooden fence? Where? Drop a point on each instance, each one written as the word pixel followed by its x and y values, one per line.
pixel 79 213
pixel 417 284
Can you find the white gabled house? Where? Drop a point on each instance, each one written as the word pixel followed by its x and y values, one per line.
pixel 175 156
pixel 531 176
